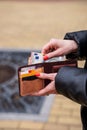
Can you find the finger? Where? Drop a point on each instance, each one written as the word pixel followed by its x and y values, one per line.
pixel 50 76
pixel 49 89
pixel 55 53
pixel 48 47
pixel 29 61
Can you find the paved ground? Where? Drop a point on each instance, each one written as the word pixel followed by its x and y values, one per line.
pixel 29 26
pixel 64 115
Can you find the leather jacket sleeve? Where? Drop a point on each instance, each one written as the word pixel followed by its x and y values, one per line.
pixel 70 81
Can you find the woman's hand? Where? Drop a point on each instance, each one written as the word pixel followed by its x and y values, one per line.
pixel 57 47
pixel 50 88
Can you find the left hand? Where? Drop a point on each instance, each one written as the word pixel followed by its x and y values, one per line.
pixel 50 88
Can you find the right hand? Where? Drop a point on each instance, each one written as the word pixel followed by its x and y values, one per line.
pixel 58 47
pixel 50 88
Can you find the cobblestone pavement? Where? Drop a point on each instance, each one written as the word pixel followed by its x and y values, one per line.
pixel 30 25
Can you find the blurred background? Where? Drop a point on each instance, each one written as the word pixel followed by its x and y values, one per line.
pixel 28 25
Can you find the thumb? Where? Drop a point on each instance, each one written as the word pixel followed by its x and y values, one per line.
pixel 49 89
pixel 55 53
pixel 42 92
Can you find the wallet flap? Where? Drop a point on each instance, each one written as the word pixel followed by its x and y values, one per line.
pixel 53 67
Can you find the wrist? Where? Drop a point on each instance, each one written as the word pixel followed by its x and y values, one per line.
pixel 74 46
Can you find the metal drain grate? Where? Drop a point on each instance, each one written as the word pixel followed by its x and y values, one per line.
pixel 11 104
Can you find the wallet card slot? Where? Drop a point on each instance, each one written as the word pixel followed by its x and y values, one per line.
pixel 29 78
pixel 31 86
pixel 29 83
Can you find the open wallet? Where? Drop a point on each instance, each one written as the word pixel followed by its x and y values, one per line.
pixel 29 82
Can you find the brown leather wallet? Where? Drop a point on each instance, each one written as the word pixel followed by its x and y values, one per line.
pixel 29 83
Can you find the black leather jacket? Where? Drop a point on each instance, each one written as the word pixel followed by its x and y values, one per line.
pixel 72 82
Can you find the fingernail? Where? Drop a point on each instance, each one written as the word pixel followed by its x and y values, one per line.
pixel 45 57
pixel 37 74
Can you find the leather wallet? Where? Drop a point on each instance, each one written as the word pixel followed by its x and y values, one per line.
pixel 29 83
